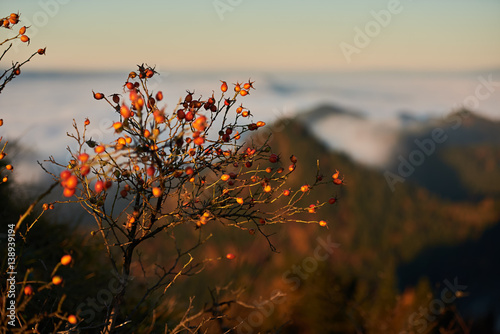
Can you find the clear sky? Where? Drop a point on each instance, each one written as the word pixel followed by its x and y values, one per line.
pixel 301 35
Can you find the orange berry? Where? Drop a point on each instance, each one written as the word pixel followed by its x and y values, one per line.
pixel 68 192
pixel 199 141
pixel 99 149
pixel 239 200
pixel 125 112
pixel 22 30
pixel 98 96
pixel 84 157
pixel 293 159
pixel 87 121
pixel 72 319
pixel 322 223
pixel 2 155
pixel 84 170
pixel 147 133
pixel 13 18
pixel 286 192
pixel 9 167
pixel 223 87
pixel 312 208
pixel 336 175
pixel 260 124
pixel 56 280
pixel 150 171
pixel 41 51
pixel 230 256
pixel 291 168
pixel 159 96
pixel 28 290
pixel 25 38
pixel 66 259
pixel 118 126
pixel 189 170
pixel 225 177
pixel 200 123
pixel 157 192
pixel 248 85
pixel 273 158
pixel 189 116
pixel 99 186
pixel 244 92
pixel 71 182
pixel 267 189
pixel 65 174
pixel 5 179
pixel 1 121
pixel 121 141
pixel 245 113
pixel 304 188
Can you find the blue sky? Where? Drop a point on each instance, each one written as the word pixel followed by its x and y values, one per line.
pixel 261 34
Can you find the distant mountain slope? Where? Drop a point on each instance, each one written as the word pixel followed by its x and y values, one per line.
pixel 463 164
pixel 365 140
pixel 473 262
pixel 381 231
pixel 457 157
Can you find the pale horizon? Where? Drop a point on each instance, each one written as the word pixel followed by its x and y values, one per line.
pixel 261 36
